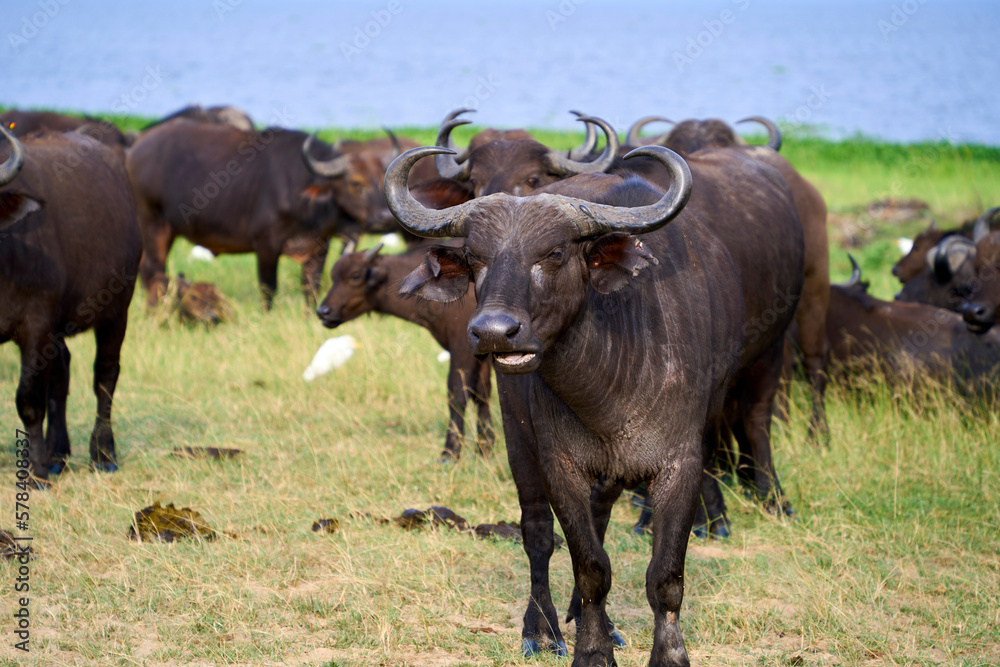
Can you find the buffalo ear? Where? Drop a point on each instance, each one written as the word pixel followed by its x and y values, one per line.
pixel 14 206
pixel 614 259
pixel 375 275
pixel 443 276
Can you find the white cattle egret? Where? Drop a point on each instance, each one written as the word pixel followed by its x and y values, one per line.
pixel 391 240
pixel 201 253
pixel 333 353
pixel 905 245
pixel 444 356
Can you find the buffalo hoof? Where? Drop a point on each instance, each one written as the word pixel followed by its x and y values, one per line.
pixel 56 467
pixel 618 640
pixel 641 529
pixel 447 456
pixel 104 466
pixel 721 531
pixel 701 532
pixel 530 648
pixel 39 484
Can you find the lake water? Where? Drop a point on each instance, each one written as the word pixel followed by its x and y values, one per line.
pixel 901 70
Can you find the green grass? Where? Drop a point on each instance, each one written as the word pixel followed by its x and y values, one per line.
pixel 893 557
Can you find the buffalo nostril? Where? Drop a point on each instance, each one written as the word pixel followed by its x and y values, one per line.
pixel 494 328
pixel 323 311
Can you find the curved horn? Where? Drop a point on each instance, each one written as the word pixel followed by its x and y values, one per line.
pixel 371 252
pixel 942 269
pixel 593 219
pixel 773 133
pixel 463 154
pixel 564 165
pixel 633 132
pixel 982 226
pixel 855 278
pixel 447 166
pixel 396 148
pixel 330 168
pixel 410 213
pixel 589 141
pixel 12 167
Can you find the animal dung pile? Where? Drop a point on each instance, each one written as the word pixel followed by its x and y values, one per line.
pixel 9 548
pixel 414 519
pixel 168 524
pixel 326 526
pixel 332 354
pixel 215 453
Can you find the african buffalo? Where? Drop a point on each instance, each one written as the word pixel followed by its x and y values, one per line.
pixel 617 341
pixel 950 274
pixel 916 260
pixel 23 123
pixel 369 281
pixel 69 254
pixel 980 308
pixel 908 340
pixel 197 302
pixel 220 115
pixel 271 192
pixel 690 136
pixel 515 163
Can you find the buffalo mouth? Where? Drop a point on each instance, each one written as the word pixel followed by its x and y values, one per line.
pixel 515 363
pixel 977 327
pixel 331 322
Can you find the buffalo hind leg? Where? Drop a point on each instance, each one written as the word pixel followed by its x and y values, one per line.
pixel 110 334
pixel 674 497
pixel 56 433
pixel 32 396
pixel 811 319
pixel 753 428
pixel 540 630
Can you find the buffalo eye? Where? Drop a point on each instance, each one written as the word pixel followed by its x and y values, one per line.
pixel 533 181
pixel 356 276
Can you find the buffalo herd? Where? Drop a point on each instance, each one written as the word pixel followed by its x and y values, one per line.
pixel 639 303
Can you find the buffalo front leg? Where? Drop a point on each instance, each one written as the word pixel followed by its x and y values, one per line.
pixel 56 434
pixel 457 391
pixel 591 566
pixel 603 496
pixel 541 622
pixel 486 435
pixel 267 276
pixel 312 271
pixel 110 334
pixel 32 395
pixel 673 496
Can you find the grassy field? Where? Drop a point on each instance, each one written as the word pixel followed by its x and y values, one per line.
pixel 893 557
